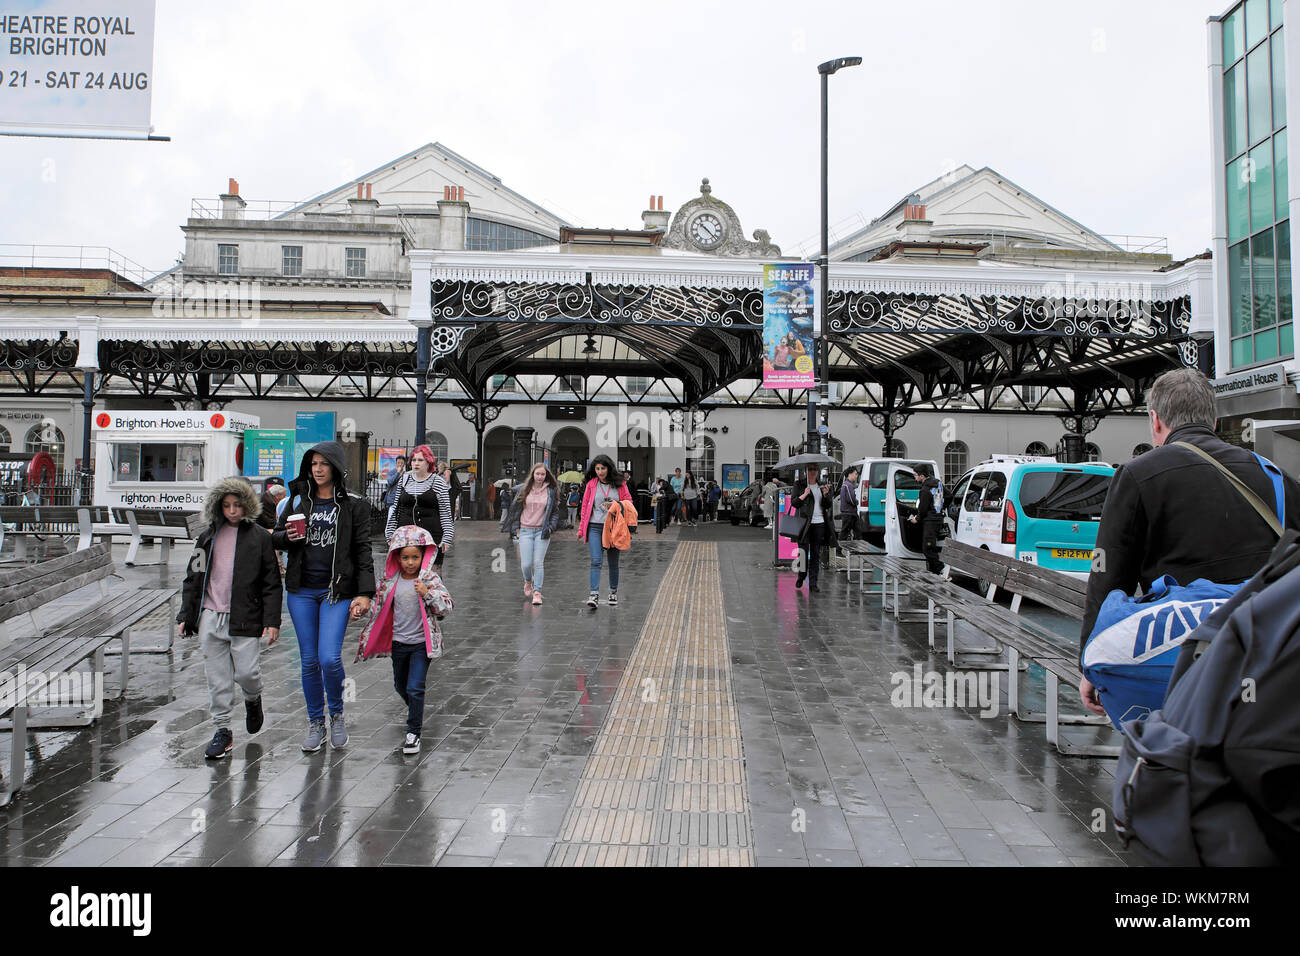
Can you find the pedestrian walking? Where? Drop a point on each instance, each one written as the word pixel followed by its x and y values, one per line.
pixel 423 499
pixel 390 490
pixel 573 501
pixel 813 504
pixel 690 500
pixel 404 621
pixel 271 497
pixel 231 597
pixel 604 487
pixel 675 482
pixel 330 577
pixel 1174 510
pixel 713 496
pixel 533 516
pixel 849 506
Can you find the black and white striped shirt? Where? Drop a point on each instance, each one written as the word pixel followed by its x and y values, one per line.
pixel 414 487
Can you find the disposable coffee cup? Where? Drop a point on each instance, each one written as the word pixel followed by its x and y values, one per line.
pixel 297 524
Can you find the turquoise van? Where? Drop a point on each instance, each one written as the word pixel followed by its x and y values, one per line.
pixel 873 478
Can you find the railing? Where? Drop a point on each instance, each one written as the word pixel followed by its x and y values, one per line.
pixel 254 209
pixel 1158 245
pixel 65 490
pixel 30 256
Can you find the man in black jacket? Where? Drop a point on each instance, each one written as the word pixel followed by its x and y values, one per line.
pixel 1169 511
pixel 814 504
pixel 929 506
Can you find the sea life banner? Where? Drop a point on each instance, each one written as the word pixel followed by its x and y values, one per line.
pixel 788 325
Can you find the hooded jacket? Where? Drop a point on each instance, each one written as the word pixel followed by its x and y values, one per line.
pixel 377 635
pixel 353 566
pixel 620 522
pixel 255 591
pixel 552 519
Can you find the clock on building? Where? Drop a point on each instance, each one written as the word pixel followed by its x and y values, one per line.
pixel 706 231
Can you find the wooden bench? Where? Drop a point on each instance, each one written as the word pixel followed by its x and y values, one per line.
pixel 1021 637
pixel 141 523
pixel 39 672
pixel 861 554
pixel 61 522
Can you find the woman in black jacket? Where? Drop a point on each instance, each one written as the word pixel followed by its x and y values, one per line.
pixel 813 503
pixel 533 514
pixel 422 497
pixel 330 576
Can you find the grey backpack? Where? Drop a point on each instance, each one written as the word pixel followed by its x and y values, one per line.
pixel 1213 777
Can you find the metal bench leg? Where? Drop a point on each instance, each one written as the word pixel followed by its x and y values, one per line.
pixel 126 659
pixel 1054 721
pixel 930 621
pixel 1015 603
pixel 131 551
pixel 20 547
pixel 18 756
pixel 952 638
pixel 896 577
pixel 166 551
pixel 1013 685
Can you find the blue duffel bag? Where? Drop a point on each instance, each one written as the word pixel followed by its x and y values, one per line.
pixel 1130 655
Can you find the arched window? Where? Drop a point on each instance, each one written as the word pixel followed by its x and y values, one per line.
pixel 1091 452
pixel 955 457
pixel 47 437
pixel 897 448
pixel 437 441
pixel 5 440
pixel 700 461
pixel 1141 449
pixel 1037 448
pixel 835 472
pixel 767 452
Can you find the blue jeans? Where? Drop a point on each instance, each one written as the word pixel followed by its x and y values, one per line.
pixel 595 533
pixel 532 554
pixel 320 626
pixel 410 669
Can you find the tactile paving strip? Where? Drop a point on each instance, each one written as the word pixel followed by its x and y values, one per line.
pixel 665 782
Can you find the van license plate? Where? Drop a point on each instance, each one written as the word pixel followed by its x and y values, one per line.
pixel 1076 553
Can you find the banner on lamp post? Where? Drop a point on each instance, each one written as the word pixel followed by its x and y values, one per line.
pixel 788 305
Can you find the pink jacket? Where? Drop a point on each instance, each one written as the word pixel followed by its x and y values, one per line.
pixel 377 636
pixel 589 495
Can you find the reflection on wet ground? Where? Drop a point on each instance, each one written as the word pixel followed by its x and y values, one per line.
pixel 833 772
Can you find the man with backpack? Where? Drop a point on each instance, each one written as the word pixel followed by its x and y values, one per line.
pixel 1186 512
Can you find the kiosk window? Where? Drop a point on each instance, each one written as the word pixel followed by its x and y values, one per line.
pixel 157 461
pixel 126 462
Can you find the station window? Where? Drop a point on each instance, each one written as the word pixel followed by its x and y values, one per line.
pixel 227 259
pixel 157 461
pixel 955 456
pixel 1141 449
pixel 356 263
pixel 1037 449
pixel 767 452
pixel 291 260
pixel 897 448
pixel 437 443
pixel 700 460
pixel 483 235
pixel 5 440
pixel 46 437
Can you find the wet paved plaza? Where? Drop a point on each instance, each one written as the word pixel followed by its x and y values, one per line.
pixel 718 716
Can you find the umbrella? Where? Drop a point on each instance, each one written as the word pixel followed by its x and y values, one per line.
pixel 503 483
pixel 570 476
pixel 798 461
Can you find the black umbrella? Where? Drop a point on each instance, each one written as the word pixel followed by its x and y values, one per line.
pixel 810 458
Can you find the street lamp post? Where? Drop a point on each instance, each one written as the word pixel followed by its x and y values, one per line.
pixel 821 347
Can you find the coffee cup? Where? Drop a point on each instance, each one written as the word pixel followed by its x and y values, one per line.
pixel 296 525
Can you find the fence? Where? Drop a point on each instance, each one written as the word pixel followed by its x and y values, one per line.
pixel 65 490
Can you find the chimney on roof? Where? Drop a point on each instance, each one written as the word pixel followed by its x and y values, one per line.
pixel 232 207
pixel 362 208
pixel 914 227
pixel 655 218
pixel 453 212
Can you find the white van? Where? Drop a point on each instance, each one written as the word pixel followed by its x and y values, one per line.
pixel 873 481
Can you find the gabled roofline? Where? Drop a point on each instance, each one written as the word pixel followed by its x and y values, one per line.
pixel 951 186
pixel 477 169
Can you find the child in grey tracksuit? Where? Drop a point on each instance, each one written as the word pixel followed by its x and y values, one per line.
pixel 230 599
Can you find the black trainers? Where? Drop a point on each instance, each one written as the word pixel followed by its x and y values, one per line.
pixel 223 741
pixel 613 599
pixel 253 716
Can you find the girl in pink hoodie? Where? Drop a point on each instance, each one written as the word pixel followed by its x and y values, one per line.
pixel 404 620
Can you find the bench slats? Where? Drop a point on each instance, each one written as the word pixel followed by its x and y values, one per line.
pixel 114 615
pixel 60 564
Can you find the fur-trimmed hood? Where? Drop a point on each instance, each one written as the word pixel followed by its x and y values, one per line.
pixel 231 486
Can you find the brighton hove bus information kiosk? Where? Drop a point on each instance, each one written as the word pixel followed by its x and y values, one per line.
pixel 161 459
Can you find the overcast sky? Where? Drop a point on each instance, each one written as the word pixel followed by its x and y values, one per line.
pixel 1099 108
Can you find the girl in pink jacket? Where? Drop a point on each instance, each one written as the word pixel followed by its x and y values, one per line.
pixel 604 486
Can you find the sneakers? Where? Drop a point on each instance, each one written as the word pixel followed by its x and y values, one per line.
pixel 613 599
pixel 338 732
pixel 528 588
pixel 315 737
pixel 253 716
pixel 223 741
pixel 412 744
pixel 798 582
pixel 537 598
pixel 593 599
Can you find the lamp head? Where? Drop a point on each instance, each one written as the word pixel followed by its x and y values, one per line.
pixel 831 66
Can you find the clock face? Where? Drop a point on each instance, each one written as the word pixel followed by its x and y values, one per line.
pixel 706 230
